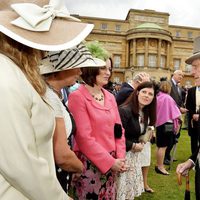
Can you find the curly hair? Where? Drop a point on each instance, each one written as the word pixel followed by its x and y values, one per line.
pixel 26 58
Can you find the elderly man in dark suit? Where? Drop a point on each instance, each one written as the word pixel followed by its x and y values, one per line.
pixel 176 91
pixel 194 160
pixel 176 94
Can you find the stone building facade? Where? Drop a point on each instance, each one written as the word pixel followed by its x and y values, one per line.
pixel 145 41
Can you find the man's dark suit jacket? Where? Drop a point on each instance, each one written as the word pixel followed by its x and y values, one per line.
pixel 123 93
pixel 176 95
pixel 191 106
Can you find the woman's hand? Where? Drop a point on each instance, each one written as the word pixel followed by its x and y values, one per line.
pixel 138 147
pixel 119 165
pixel 75 176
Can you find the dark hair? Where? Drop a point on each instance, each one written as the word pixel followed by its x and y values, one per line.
pixel 149 110
pixel 164 78
pixel 109 85
pixel 111 64
pixel 89 75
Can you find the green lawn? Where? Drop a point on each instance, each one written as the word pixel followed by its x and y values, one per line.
pixel 166 187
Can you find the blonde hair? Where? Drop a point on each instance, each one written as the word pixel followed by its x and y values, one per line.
pixel 26 58
pixel 165 86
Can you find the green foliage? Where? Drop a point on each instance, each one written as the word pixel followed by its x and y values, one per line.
pixel 166 187
pixel 97 50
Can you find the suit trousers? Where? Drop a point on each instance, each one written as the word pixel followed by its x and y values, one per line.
pixel 197 181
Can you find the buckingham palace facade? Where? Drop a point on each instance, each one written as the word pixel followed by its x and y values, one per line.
pixel 145 41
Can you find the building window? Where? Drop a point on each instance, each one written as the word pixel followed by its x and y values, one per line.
pixel 152 60
pixel 116 79
pixel 189 35
pixel 177 63
pixel 162 61
pixel 117 61
pixel 118 28
pixel 140 60
pixel 178 34
pixel 104 26
pixel 188 68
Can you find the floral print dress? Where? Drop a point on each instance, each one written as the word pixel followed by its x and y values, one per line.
pixel 93 185
pixel 130 183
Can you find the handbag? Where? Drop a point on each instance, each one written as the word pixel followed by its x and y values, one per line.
pixel 168 127
pixel 147 136
pixel 118 131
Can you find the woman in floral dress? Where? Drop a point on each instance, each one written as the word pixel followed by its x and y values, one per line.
pixel 99 141
pixel 136 113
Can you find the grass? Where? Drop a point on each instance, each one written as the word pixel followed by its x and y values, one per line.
pixel 166 187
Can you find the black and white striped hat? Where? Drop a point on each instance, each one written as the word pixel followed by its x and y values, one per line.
pixel 76 57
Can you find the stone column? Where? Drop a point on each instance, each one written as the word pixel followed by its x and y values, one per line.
pixel 159 53
pixel 146 52
pixel 134 52
pixel 127 53
pixel 168 56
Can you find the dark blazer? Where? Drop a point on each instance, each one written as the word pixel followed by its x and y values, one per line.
pixel 193 157
pixel 123 93
pixel 176 95
pixel 191 106
pixel 131 126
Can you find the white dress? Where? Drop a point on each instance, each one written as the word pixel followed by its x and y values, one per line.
pixel 146 155
pixel 59 109
pixel 130 183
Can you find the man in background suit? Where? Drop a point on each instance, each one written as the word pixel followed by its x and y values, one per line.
pixel 176 94
pixel 127 88
pixel 194 160
pixel 176 91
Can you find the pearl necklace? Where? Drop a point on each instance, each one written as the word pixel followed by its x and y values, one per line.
pixel 98 99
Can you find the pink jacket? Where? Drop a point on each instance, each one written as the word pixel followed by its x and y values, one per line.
pixel 95 128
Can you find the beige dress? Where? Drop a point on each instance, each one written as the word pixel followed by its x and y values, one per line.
pixel 130 183
pixel 27 169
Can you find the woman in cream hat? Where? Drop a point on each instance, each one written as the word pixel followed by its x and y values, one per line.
pixel 61 69
pixel 27 168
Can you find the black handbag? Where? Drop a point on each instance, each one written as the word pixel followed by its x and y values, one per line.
pixel 118 131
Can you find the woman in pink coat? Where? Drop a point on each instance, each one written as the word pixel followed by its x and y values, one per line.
pixel 99 140
pixel 167 124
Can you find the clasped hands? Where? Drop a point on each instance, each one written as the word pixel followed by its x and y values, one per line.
pixel 119 165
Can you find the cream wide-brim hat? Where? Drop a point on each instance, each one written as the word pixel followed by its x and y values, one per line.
pixel 63 33
pixel 76 57
pixel 196 52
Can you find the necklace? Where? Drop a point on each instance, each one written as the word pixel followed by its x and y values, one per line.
pixel 58 92
pixel 98 99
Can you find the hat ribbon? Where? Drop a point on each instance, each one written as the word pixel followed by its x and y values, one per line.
pixel 35 18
